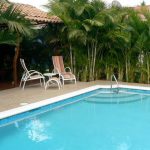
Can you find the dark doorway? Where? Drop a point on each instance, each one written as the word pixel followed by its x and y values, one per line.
pixel 6 60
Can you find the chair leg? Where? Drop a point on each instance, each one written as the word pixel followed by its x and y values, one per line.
pixel 58 84
pixel 22 79
pixel 40 82
pixel 44 82
pixel 63 82
pixel 24 85
pixel 75 81
pixel 59 81
pixel 20 84
pixel 46 86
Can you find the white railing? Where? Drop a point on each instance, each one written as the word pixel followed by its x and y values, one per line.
pixel 113 76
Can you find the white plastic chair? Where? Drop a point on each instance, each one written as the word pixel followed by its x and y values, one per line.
pixel 29 75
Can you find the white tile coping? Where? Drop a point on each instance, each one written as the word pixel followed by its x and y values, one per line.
pixel 45 102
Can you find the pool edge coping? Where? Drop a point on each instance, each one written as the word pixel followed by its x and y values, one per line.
pixel 28 107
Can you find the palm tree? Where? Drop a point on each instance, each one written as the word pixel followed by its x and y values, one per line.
pixel 80 22
pixel 107 40
pixel 13 27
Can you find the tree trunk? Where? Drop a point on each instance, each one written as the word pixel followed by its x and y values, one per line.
pixel 74 64
pixel 94 60
pixel 107 72
pixel 89 63
pixel 148 70
pixel 15 60
pixel 126 70
pixel 71 59
pixel 120 73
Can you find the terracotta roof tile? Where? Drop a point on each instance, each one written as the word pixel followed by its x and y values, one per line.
pixel 140 7
pixel 34 14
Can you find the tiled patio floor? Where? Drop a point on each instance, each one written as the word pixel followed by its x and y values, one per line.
pixel 12 98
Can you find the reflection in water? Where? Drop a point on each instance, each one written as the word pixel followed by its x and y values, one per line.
pixel 123 146
pixel 16 124
pixel 60 148
pixel 36 130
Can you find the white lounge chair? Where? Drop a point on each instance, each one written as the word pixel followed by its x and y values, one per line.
pixel 59 68
pixel 29 75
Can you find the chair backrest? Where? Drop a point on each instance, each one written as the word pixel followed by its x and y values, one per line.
pixel 24 66
pixel 58 63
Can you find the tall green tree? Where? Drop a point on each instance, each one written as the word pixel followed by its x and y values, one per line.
pixel 102 41
pixel 13 27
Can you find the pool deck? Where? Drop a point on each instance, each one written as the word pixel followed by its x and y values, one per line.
pixel 12 98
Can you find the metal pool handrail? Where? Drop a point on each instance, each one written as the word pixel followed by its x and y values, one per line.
pixel 113 76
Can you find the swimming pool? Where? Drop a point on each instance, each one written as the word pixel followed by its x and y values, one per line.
pixel 98 120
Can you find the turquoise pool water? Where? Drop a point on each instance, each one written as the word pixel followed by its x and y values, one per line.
pixel 102 121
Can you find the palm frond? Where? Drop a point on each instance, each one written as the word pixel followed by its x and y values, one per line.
pixel 7 38
pixel 15 21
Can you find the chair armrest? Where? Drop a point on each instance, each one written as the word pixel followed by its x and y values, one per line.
pixel 30 71
pixel 68 68
pixel 55 70
pixel 34 73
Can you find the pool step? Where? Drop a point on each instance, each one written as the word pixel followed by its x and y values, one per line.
pixel 115 99
pixel 114 95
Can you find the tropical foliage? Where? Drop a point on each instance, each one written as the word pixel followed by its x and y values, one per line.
pixel 96 40
pixel 13 24
pixel 13 27
pixel 101 41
